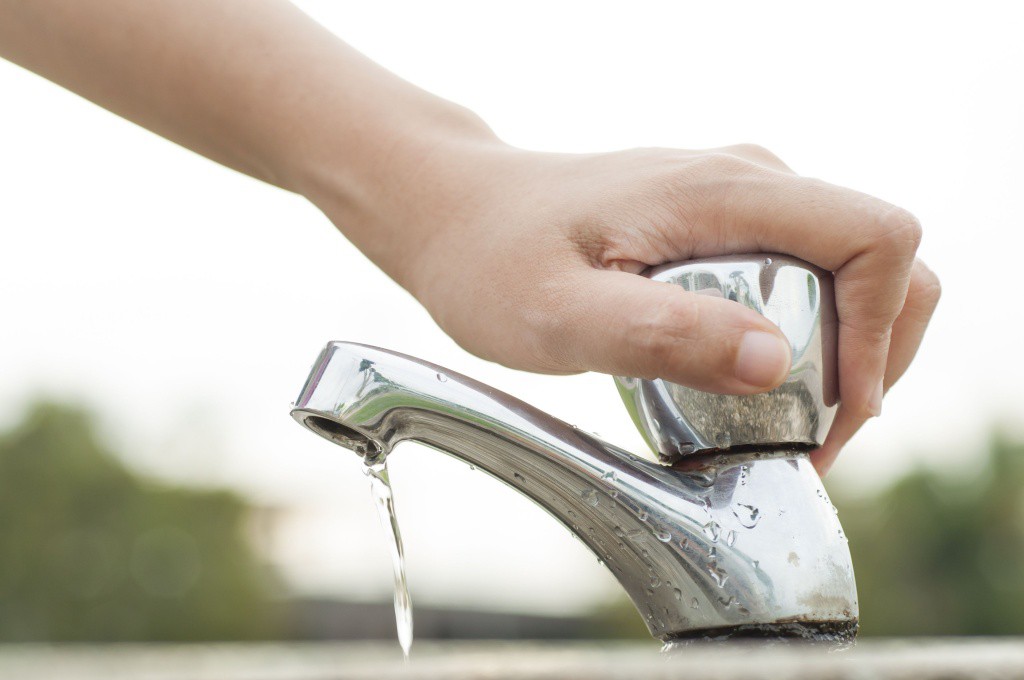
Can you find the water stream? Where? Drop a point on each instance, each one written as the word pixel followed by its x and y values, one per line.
pixel 380 489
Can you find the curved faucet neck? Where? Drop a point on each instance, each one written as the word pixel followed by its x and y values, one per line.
pixel 732 541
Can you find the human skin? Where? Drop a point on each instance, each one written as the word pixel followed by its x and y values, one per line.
pixel 527 259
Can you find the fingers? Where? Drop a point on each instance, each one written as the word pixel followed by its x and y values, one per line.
pixel 907 334
pixel 624 324
pixel 868 244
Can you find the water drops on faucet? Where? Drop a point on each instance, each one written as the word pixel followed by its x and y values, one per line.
pixel 717 573
pixel 690 508
pixel 748 515
pixel 685 448
pixel 713 530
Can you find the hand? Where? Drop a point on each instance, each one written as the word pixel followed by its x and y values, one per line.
pixel 534 264
pixel 528 259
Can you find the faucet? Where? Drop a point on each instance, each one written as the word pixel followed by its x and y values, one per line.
pixel 730 533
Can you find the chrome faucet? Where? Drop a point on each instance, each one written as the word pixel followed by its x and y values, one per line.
pixel 730 535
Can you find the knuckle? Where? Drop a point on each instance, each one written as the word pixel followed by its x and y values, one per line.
pixel 755 152
pixel 658 336
pixel 900 230
pixel 928 288
pixel 719 163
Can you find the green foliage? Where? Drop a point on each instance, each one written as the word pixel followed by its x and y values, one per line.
pixel 943 554
pixel 91 552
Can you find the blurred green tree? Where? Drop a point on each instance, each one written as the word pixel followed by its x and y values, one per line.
pixel 91 552
pixel 943 554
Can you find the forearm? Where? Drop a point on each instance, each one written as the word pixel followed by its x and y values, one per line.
pixel 253 84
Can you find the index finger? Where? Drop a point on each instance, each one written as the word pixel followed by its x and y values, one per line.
pixel 869 245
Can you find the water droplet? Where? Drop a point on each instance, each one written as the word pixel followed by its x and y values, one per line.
pixel 730 537
pixel 743 610
pixel 767 262
pixel 757 564
pixel 685 448
pixel 645 553
pixel 634 534
pixel 713 552
pixel 518 477
pixel 663 535
pixel 571 513
pixel 441 377
pixel 655 581
pixel 650 592
pixel 694 604
pixel 610 475
pixel 723 440
pixel 713 530
pixel 590 498
pixel 614 493
pixel 748 515
pixel 718 574
pixel 728 602
pixel 643 515
pixel 619 531
pixel 599 561
pixel 472 467
pixel 683 542
pixel 678 594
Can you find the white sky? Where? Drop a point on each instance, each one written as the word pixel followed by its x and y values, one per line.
pixel 186 302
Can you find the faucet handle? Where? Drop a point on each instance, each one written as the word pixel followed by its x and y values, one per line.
pixel 795 295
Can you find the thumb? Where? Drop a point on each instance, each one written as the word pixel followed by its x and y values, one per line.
pixel 625 324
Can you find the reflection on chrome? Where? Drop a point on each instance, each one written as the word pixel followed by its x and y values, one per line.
pixel 742 540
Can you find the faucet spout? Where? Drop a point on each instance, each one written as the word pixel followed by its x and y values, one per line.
pixel 738 543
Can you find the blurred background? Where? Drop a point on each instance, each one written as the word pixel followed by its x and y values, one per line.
pixel 158 313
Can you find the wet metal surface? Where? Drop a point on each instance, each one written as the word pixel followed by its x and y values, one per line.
pixel 730 540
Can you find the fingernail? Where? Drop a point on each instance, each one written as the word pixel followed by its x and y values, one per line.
pixel 763 359
pixel 875 402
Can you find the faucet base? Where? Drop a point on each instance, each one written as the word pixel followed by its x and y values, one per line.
pixel 839 634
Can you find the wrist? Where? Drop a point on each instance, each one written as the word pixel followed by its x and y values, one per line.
pixel 394 184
